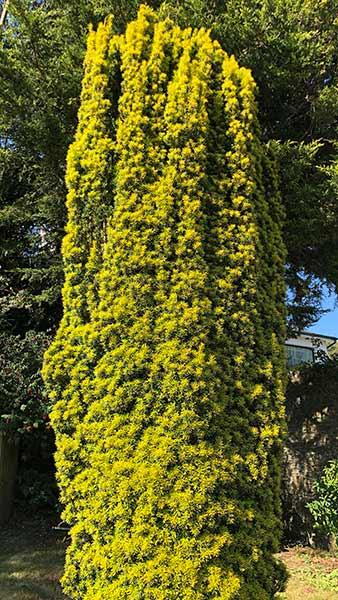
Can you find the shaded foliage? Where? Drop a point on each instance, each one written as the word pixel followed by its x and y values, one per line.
pixel 312 413
pixel 24 409
pixel 23 400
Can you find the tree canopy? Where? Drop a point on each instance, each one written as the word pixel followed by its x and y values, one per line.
pixel 291 48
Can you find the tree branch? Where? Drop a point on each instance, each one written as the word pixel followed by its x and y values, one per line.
pixel 4 13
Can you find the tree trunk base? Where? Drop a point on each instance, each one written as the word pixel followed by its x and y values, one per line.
pixel 9 448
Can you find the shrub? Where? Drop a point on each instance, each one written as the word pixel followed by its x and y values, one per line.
pixel 24 403
pixel 324 508
pixel 24 408
pixel 167 372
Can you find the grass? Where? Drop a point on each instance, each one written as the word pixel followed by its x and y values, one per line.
pixel 31 561
pixel 313 575
pixel 32 554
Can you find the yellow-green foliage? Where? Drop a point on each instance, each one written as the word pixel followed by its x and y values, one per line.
pixel 167 371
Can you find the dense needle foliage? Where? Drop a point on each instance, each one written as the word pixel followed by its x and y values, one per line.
pixel 167 371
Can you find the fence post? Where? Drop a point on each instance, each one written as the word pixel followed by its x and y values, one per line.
pixel 8 467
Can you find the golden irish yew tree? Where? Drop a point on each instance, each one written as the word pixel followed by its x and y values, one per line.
pixel 167 372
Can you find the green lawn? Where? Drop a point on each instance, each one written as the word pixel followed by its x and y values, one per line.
pixel 31 559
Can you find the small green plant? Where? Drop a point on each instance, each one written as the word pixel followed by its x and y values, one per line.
pixel 324 508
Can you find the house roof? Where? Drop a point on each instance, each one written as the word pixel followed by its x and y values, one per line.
pixel 319 335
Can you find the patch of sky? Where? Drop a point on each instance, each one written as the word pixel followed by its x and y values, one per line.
pixel 328 323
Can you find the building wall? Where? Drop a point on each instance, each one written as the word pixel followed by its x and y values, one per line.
pixel 310 341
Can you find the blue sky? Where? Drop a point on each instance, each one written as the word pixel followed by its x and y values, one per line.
pixel 328 324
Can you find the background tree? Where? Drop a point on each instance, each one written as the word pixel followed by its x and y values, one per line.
pixel 32 148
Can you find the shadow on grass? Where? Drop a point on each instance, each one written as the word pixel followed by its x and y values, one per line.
pixel 31 561
pixel 32 557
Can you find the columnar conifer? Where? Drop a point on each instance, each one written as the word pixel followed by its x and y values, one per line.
pixel 167 371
